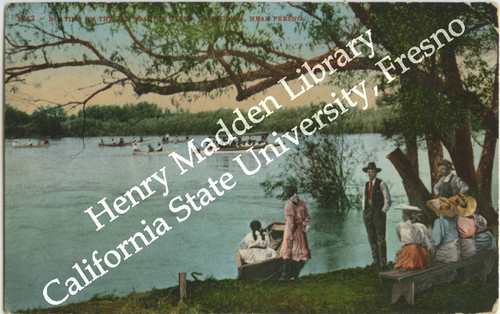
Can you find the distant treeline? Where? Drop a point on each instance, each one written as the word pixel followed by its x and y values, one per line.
pixel 148 119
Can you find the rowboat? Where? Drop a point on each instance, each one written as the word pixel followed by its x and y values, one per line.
pixel 155 153
pixel 268 268
pixel 166 139
pixel 242 146
pixel 102 144
pixel 44 144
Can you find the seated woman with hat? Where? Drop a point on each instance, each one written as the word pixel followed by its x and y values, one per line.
pixel 445 233
pixel 417 245
pixel 466 226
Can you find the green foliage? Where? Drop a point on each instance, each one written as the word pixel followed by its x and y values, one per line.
pixel 49 121
pixel 321 166
pixel 148 119
pixel 16 122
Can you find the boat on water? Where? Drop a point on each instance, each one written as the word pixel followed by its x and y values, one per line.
pixel 45 143
pixel 243 143
pixel 155 153
pixel 269 268
pixel 119 144
pixel 166 139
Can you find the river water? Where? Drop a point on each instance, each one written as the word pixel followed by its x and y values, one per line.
pixel 47 231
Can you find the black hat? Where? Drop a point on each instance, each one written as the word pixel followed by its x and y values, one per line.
pixel 446 163
pixel 291 190
pixel 371 165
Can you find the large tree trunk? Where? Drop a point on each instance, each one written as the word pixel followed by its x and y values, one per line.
pixel 484 177
pixel 460 146
pixel 435 154
pixel 412 151
pixel 415 190
pixel 485 168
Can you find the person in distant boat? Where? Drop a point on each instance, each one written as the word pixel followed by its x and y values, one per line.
pixel 176 139
pixel 376 201
pixel 15 143
pixel 416 241
pixel 256 245
pixel 121 140
pixel 136 149
pixel 102 142
pixel 445 233
pixel 449 184
pixel 46 141
pixel 113 141
pixel 30 143
pixel 141 139
pixel 295 248
pixel 166 138
pixel 159 148
pixel 151 148
pixel 187 137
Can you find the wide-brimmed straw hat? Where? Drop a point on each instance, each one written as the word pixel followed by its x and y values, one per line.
pixel 371 165
pixel 465 204
pixel 460 204
pixel 436 206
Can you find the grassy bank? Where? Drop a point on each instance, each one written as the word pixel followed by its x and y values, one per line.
pixel 355 290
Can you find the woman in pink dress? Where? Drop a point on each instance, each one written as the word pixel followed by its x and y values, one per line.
pixel 295 249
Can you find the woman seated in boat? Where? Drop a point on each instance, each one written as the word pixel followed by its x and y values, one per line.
pixel 256 245
pixel 136 149
pixel 113 141
pixel 416 241
pixel 121 140
pixel 151 148
pixel 30 143
pixel 159 148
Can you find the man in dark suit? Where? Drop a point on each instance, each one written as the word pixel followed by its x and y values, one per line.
pixel 376 203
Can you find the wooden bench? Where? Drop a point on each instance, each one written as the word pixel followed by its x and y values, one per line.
pixel 410 282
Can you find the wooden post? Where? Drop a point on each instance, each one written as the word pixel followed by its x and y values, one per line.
pixel 182 285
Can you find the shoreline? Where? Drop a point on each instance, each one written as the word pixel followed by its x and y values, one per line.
pixel 348 290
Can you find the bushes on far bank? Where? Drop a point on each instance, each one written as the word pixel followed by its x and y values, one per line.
pixel 148 119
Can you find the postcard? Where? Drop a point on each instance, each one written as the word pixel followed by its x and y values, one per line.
pixel 250 156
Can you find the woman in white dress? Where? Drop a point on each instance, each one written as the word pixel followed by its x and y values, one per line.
pixel 417 247
pixel 256 245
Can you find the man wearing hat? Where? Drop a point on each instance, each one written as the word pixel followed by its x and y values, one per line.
pixel 376 203
pixel 449 184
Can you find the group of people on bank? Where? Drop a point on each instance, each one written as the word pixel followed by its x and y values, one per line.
pixel 458 232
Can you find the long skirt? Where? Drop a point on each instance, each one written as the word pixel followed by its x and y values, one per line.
pixel 467 247
pixel 484 241
pixel 412 256
pixel 449 252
